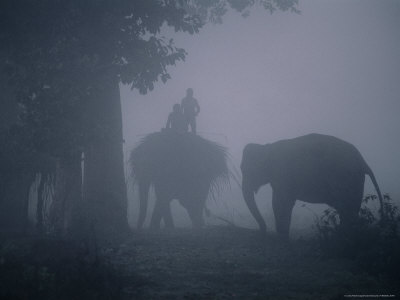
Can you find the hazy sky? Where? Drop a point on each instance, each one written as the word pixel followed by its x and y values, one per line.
pixel 334 69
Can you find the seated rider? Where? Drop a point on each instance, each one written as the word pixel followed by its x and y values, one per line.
pixel 176 120
pixel 191 109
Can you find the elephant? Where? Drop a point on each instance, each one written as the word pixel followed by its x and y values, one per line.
pixel 313 168
pixel 180 166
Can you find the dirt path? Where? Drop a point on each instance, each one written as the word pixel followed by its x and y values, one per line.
pixel 231 263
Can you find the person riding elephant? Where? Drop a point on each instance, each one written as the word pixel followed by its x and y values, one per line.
pixel 176 120
pixel 191 109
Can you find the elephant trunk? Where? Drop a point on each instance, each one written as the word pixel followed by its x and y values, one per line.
pixel 248 195
pixel 143 199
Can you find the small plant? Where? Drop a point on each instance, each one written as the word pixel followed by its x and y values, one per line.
pixel 373 243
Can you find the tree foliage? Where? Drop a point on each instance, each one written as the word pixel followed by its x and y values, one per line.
pixel 372 243
pixel 54 51
pixel 61 57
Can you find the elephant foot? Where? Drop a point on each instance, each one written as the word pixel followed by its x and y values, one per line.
pixel 169 225
pixel 263 229
pixel 284 238
pixel 262 232
pixel 154 227
pixel 198 227
pixel 168 229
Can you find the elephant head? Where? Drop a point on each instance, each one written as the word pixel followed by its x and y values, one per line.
pixel 254 167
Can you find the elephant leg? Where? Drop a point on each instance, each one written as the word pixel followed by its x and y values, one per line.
pixel 197 218
pixel 160 208
pixel 282 205
pixel 157 215
pixel 194 201
pixel 349 203
pixel 349 213
pixel 248 196
pixel 143 199
pixel 168 221
pixel 196 215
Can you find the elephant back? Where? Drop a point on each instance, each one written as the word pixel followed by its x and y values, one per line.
pixel 186 158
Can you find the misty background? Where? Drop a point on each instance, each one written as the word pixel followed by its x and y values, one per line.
pixel 332 69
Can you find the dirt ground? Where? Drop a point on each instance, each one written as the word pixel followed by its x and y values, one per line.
pixel 234 263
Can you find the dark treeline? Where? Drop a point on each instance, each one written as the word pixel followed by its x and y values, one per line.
pixel 61 66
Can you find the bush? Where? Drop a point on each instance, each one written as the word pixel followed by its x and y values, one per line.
pixel 373 243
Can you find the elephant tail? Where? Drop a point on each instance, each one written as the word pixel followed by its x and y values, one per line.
pixel 378 191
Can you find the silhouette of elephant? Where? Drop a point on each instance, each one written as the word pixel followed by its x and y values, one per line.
pixel 314 168
pixel 180 166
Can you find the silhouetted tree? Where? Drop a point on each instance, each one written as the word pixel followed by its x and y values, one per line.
pixel 67 59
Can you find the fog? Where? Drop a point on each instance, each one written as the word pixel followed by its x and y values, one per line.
pixel 333 69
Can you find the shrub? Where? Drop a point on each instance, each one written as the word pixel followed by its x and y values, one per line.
pixel 373 243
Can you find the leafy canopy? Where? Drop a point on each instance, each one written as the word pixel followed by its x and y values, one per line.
pixel 57 54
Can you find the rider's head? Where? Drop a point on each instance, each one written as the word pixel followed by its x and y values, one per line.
pixel 177 107
pixel 189 92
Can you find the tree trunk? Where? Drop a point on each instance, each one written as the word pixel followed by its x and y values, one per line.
pixel 14 203
pixel 40 203
pixel 104 189
pixel 67 195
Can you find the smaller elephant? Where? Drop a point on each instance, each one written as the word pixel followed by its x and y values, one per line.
pixel 314 168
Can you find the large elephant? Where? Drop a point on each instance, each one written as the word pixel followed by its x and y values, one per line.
pixel 314 168
pixel 180 166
